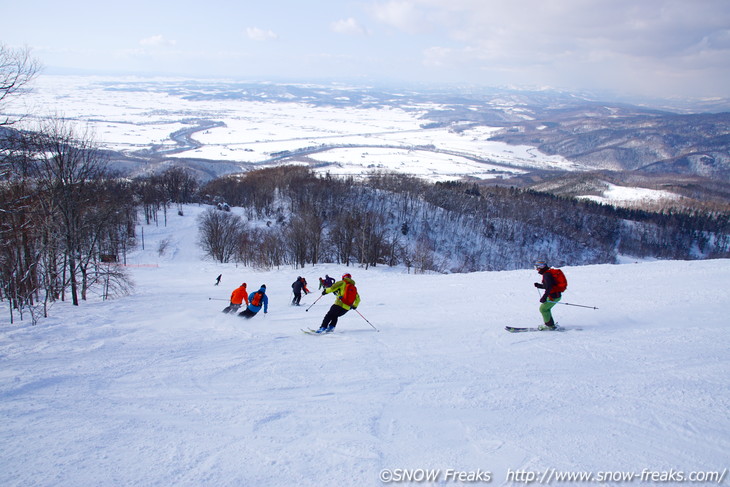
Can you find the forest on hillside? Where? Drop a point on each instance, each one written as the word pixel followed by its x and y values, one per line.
pixel 395 219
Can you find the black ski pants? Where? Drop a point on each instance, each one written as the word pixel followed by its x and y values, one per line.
pixel 231 308
pixel 247 313
pixel 330 319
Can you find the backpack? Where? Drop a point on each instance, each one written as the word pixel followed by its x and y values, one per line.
pixel 256 301
pixel 349 295
pixel 561 283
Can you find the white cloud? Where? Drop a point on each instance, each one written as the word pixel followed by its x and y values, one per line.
pixel 256 34
pixel 348 26
pixel 613 44
pixel 157 41
pixel 403 15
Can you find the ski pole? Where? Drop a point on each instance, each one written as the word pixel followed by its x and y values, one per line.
pixel 218 299
pixel 315 302
pixel 366 320
pixel 578 305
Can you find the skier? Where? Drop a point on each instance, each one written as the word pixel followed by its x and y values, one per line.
pixel 256 301
pixel 328 281
pixel 218 279
pixel 554 283
pixel 298 286
pixel 238 296
pixel 347 298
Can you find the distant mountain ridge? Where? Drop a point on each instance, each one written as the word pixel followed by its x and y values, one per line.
pixel 606 138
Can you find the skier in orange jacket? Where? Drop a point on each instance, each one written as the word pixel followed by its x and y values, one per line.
pixel 238 296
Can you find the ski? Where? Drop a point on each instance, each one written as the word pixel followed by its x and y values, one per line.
pixel 309 331
pixel 513 329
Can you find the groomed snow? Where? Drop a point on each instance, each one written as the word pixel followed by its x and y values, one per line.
pixel 160 389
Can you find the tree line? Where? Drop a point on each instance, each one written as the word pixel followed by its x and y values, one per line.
pixel 395 219
pixel 66 221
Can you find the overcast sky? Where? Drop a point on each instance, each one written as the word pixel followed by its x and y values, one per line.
pixel 637 47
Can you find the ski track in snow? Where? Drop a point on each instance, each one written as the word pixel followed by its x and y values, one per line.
pixel 159 388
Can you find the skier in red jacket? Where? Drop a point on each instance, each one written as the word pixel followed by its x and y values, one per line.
pixel 238 296
pixel 554 283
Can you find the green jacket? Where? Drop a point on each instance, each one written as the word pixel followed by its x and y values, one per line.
pixel 339 288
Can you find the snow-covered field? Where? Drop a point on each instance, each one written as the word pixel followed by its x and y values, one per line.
pixel 625 196
pixel 159 388
pixel 129 120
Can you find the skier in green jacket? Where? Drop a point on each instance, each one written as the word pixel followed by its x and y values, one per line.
pixel 347 299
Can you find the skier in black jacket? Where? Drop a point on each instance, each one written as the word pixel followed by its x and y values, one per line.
pixel 298 286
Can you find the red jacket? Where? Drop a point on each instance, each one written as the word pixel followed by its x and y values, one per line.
pixel 239 295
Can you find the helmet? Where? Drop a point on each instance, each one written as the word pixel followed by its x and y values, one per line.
pixel 346 276
pixel 243 285
pixel 540 264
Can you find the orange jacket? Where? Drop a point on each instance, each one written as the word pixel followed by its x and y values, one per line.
pixel 239 295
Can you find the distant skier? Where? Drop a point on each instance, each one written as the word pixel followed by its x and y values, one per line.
pixel 238 296
pixel 299 286
pixel 554 283
pixel 328 281
pixel 256 301
pixel 347 299
pixel 218 279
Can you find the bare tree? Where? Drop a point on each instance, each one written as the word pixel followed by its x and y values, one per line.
pixel 17 70
pixel 297 236
pixel 342 235
pixel 20 234
pixel 69 175
pixel 220 234
pixel 58 216
pixel 179 185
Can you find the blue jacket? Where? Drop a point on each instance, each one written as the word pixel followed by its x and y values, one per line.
pixel 264 300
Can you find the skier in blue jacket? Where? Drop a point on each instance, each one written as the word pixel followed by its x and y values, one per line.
pixel 256 301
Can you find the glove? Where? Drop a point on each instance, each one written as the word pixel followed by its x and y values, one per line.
pixel 539 286
pixel 324 292
pixel 543 299
pixel 353 307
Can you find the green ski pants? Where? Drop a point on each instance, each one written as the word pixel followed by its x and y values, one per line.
pixel 545 309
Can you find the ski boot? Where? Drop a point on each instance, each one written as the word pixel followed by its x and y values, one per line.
pixel 550 325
